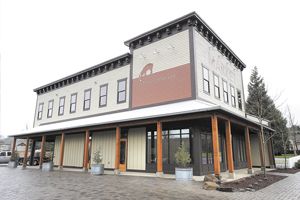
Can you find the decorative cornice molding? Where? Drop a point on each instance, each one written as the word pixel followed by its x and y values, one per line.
pixel 85 74
pixel 183 23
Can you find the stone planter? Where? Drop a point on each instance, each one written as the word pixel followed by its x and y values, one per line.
pixel 184 174
pixel 12 164
pixel 47 167
pixel 97 169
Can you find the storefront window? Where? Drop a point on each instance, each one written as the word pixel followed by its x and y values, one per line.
pixel 171 140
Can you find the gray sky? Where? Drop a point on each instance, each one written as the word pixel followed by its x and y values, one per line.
pixel 42 41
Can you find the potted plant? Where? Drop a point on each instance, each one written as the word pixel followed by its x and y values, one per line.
pixel 14 160
pixel 97 166
pixel 183 159
pixel 47 165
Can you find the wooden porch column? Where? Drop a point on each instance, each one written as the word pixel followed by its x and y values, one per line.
pixel 42 151
pixel 159 162
pixel 117 159
pixel 215 140
pixel 14 145
pixel 229 149
pixel 248 151
pixel 261 151
pixel 61 153
pixel 86 151
pixel 25 154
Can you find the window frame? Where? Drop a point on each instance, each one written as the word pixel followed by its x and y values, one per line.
pixel 106 94
pixel 85 100
pixel 63 106
pixel 50 101
pixel 40 104
pixel 204 80
pixel 225 92
pixel 118 92
pixel 217 86
pixel 232 96
pixel 73 103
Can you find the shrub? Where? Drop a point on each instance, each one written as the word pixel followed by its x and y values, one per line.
pixel 297 164
pixel 182 157
pixel 97 157
pixel 14 156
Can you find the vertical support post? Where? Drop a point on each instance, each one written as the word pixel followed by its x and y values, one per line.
pixel 230 164
pixel 159 167
pixel 215 140
pixel 86 151
pixel 248 151
pixel 32 151
pixel 261 151
pixel 61 153
pixel 14 145
pixel 25 154
pixel 117 159
pixel 42 154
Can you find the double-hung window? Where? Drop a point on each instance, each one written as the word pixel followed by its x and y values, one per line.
pixel 61 106
pixel 103 95
pixel 87 99
pixel 73 103
pixel 50 108
pixel 122 90
pixel 239 98
pixel 232 91
pixel 40 111
pixel 217 86
pixel 206 80
pixel 225 91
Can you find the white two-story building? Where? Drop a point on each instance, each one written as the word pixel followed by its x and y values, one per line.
pixel 179 83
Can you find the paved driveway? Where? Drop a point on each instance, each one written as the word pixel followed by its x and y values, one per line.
pixel 33 184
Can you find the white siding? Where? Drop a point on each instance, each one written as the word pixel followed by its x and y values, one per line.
pixel 73 150
pixel 111 78
pixel 254 140
pixel 208 56
pixel 164 54
pixel 105 141
pixel 136 149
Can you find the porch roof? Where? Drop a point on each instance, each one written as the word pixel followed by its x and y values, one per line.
pixel 184 107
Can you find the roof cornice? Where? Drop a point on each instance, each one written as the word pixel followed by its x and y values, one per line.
pixel 87 73
pixel 184 22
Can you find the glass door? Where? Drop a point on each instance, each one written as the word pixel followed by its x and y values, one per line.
pixel 123 154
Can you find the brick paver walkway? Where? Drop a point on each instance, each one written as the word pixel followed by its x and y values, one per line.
pixel 33 184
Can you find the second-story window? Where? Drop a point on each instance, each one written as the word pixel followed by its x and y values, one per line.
pixel 103 95
pixel 40 111
pixel 206 80
pixel 217 86
pixel 239 98
pixel 61 106
pixel 50 108
pixel 122 90
pixel 225 91
pixel 232 91
pixel 87 99
pixel 73 103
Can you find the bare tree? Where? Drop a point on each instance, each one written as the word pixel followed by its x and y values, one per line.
pixel 292 130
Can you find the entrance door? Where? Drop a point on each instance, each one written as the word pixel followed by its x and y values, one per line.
pixel 123 154
pixel 206 156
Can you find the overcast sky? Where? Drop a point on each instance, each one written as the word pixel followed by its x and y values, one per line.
pixel 42 41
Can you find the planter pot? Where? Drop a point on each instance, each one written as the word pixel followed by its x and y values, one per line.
pixel 184 174
pixel 12 164
pixel 47 167
pixel 97 169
